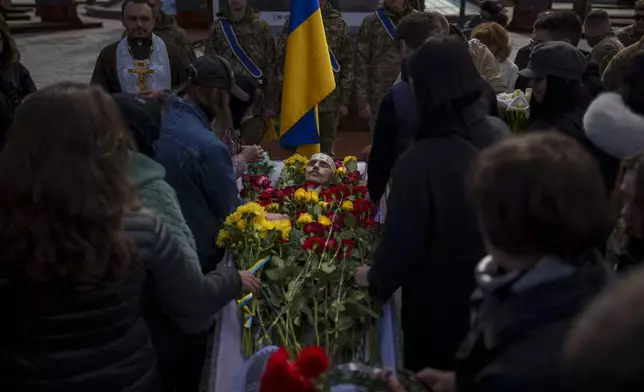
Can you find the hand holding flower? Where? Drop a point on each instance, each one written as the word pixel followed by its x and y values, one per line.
pixel 250 284
pixel 361 275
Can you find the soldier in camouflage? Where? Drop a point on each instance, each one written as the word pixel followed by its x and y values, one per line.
pixel 632 34
pixel 612 77
pixel 256 39
pixel 377 61
pixel 166 28
pixel 336 105
pixel 601 39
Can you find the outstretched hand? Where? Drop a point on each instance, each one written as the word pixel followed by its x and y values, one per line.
pixel 361 275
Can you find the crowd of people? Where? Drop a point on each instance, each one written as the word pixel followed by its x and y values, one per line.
pixel 508 248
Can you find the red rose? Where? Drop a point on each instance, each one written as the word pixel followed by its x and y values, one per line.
pixel 314 243
pixel 264 203
pixel 338 164
pixel 369 223
pixel 332 244
pixel 312 362
pixel 360 191
pixel 244 192
pixel 309 186
pixel 365 206
pixel 314 228
pixel 267 194
pixel 278 194
pixel 354 177
pixel 347 248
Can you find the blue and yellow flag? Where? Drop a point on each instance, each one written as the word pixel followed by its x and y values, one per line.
pixel 308 78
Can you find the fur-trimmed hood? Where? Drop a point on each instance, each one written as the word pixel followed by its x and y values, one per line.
pixel 614 127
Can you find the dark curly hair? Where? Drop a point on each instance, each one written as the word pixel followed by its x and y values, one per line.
pixel 65 189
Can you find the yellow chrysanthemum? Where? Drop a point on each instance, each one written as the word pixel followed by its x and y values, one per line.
pixel 349 158
pixel 241 224
pixel 324 205
pixel 232 219
pixel 347 205
pixel 223 238
pixel 293 159
pixel 341 171
pixel 323 220
pixel 260 223
pixel 300 195
pixel 273 207
pixel 251 208
pixel 304 219
pixel 314 197
pixel 284 228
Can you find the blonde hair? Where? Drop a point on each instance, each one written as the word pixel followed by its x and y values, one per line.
pixel 215 99
pixel 494 34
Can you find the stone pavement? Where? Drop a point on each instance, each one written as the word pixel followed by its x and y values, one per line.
pixel 70 55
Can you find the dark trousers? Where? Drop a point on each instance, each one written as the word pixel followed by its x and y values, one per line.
pixel 183 373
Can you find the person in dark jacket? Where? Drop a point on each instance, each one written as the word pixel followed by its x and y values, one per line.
pixel 197 162
pixel 559 100
pixel 79 254
pixel 15 81
pixel 603 351
pixel 564 26
pixel 542 209
pixel 431 240
pixel 395 128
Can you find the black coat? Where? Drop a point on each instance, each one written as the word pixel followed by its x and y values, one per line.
pixel 516 346
pixel 432 241
pixel 96 340
pixel 15 85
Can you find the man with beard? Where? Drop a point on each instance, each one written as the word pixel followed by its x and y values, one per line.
pixel 140 62
pixel 632 34
pixel 601 39
pixel 336 105
pixel 377 61
pixel 240 36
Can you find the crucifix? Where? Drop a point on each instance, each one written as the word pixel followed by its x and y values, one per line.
pixel 141 70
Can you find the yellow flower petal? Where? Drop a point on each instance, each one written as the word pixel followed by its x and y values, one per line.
pixel 323 220
pixel 347 205
pixel 349 158
pixel 304 219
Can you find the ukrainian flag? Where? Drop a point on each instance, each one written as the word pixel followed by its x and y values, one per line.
pixel 308 78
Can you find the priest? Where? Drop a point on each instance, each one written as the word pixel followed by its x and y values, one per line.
pixel 140 62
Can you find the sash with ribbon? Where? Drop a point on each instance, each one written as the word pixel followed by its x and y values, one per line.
pixel 243 58
pixel 334 62
pixel 386 22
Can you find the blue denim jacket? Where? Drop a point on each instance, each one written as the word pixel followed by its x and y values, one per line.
pixel 199 168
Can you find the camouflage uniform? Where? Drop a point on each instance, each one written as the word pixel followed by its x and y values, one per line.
pixel 256 39
pixel 628 35
pixel 377 61
pixel 605 50
pixel 166 28
pixel 612 77
pixel 487 65
pixel 340 43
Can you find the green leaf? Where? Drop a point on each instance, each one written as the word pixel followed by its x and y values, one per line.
pixel 273 274
pixel 347 234
pixel 358 295
pixel 299 302
pixel 350 221
pixel 344 322
pixel 328 267
pixel 278 262
pixel 317 210
pixel 352 166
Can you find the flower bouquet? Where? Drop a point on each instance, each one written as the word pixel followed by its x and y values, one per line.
pixel 311 372
pixel 516 107
pixel 306 262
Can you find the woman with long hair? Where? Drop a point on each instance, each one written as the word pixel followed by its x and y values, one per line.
pixel 78 253
pixel 431 240
pixel 559 99
pixel 15 81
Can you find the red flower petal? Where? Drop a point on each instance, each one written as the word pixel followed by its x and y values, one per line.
pixel 312 362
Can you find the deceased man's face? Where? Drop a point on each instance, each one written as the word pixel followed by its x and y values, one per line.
pixel 319 172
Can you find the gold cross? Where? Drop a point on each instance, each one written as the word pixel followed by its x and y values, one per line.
pixel 141 70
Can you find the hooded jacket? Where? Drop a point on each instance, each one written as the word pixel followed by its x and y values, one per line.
pixel 159 197
pixel 614 127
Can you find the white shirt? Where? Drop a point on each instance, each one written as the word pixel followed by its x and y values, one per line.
pixel 510 73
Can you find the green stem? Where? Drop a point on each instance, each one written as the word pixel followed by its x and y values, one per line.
pixel 315 320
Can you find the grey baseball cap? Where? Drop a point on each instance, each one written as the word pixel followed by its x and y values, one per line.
pixel 215 71
pixel 555 58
